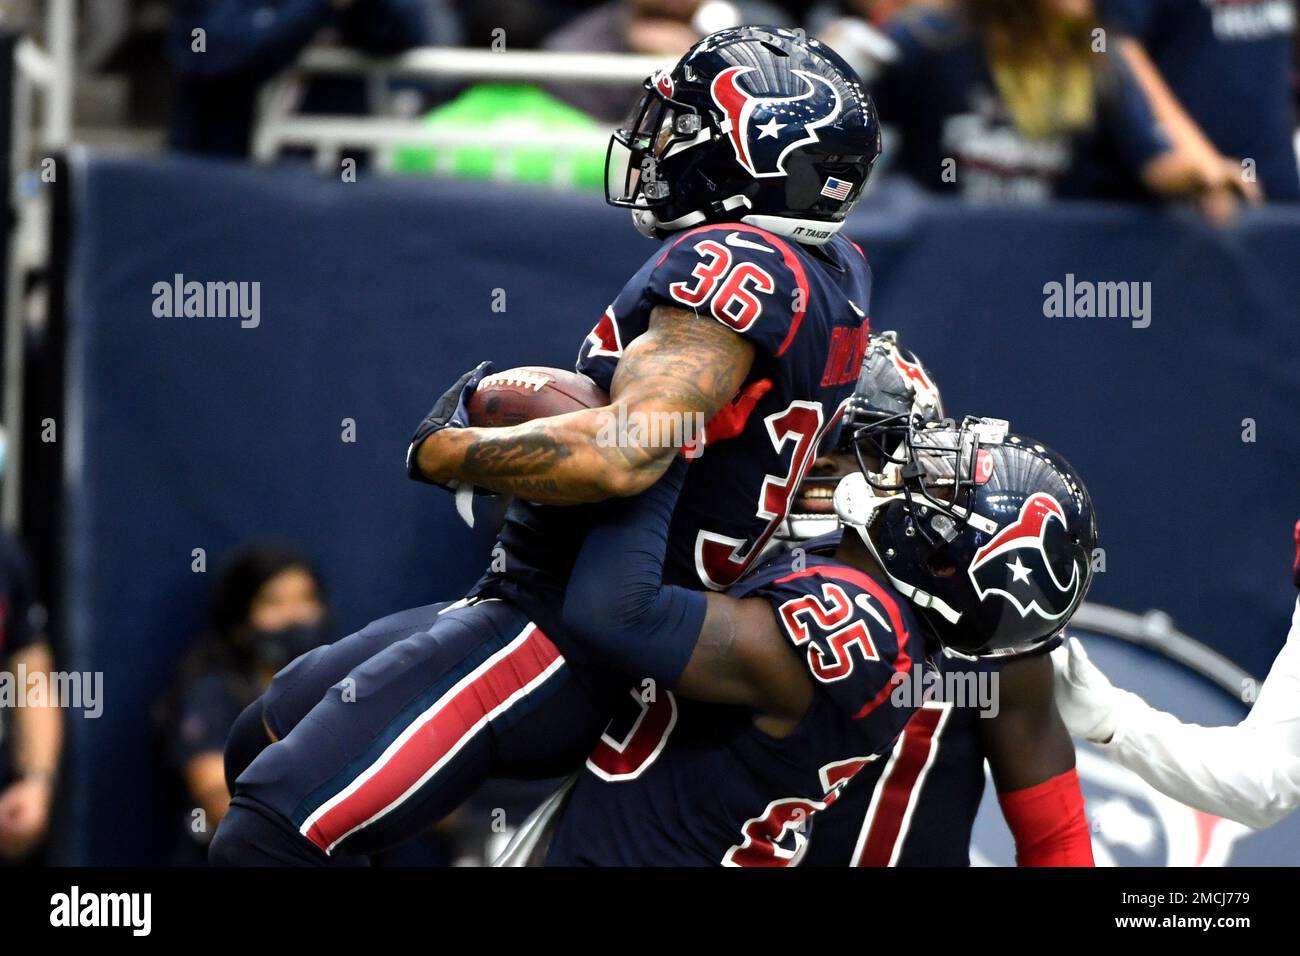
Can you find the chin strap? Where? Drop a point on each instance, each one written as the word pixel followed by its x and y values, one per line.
pixel 649 225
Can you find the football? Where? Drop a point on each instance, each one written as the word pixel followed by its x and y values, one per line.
pixel 521 394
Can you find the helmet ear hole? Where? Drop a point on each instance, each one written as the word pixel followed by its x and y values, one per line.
pixel 940 564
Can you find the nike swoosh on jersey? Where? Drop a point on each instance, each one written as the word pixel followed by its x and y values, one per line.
pixel 733 239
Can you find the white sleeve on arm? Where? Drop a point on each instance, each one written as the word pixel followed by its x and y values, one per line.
pixel 1249 773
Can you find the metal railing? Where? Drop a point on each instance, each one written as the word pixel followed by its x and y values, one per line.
pixel 440 62
pixel 279 126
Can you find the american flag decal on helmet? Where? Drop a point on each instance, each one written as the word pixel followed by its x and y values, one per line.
pixel 837 188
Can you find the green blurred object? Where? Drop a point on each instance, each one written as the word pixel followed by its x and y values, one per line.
pixel 526 113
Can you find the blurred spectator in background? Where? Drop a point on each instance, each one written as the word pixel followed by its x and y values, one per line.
pixel 268 608
pixel 855 29
pixel 31 735
pixel 224 50
pixel 666 28
pixel 515 24
pixel 1218 73
pixel 1013 101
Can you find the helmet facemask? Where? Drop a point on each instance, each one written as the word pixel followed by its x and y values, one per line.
pixel 923 477
pixel 658 129
pixel 988 535
pixel 934 468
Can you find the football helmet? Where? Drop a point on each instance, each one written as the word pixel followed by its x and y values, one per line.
pixel 892 385
pixel 989 535
pixel 759 125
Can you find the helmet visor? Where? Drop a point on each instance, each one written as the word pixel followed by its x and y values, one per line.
pixel 936 467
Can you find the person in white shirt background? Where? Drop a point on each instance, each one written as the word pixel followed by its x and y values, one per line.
pixel 1249 772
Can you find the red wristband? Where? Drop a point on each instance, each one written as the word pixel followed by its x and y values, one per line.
pixel 1049 823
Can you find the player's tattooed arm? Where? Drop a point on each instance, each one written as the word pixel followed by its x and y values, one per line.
pixel 670 380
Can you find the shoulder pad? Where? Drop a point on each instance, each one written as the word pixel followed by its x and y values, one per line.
pixel 748 279
pixel 858 639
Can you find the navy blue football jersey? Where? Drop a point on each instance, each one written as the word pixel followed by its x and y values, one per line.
pixel 675 782
pixel 806 313
pixel 918 807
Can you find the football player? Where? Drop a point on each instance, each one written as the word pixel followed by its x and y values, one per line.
pixel 918 807
pixel 1249 772
pixel 752 316
pixel 814 654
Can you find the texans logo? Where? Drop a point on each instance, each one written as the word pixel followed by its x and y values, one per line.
pixel 763 129
pixel 926 391
pixel 1014 564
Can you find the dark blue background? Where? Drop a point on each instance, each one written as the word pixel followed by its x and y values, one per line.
pixel 185 433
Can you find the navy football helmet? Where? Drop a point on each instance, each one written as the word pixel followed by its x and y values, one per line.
pixel 759 125
pixel 893 386
pixel 988 535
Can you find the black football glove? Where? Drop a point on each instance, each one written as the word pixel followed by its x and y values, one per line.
pixel 450 411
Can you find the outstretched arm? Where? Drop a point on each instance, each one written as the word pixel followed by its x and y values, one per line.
pixel 1249 773
pixel 1032 759
pixel 709 647
pixel 683 366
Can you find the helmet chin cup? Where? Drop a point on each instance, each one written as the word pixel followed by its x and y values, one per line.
pixel 649 224
pixel 855 502
pixel 646 222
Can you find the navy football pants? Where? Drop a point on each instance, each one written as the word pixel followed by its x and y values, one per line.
pixel 386 731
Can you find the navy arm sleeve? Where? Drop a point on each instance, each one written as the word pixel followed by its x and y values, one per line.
pixel 616 603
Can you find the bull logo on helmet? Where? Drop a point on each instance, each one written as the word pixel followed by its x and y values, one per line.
pixel 1017 566
pixel 764 129
pixel 926 392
